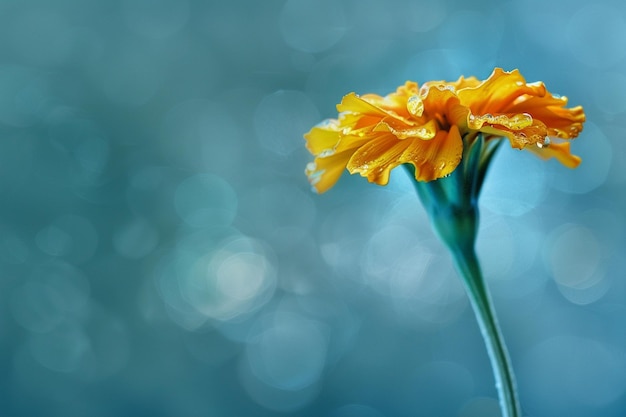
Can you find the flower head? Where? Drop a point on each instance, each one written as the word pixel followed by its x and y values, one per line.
pixel 428 127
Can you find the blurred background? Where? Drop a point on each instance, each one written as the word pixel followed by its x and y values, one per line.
pixel 162 254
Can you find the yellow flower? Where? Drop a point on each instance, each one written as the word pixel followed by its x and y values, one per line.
pixel 426 127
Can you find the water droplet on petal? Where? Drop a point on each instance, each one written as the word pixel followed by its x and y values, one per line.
pixel 424 132
pixel 415 106
pixel 543 144
pixel 515 122
pixel 420 132
pixel 520 121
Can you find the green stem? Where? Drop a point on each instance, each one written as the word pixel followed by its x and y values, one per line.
pixel 467 264
pixel 452 205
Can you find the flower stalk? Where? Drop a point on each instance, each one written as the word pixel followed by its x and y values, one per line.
pixel 452 205
pixel 468 267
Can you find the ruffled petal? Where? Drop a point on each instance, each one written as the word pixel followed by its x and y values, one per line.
pixel 424 132
pixel 464 82
pixel 565 123
pixel 360 112
pixel 395 102
pixel 560 151
pixel 324 172
pixel 443 104
pixel 432 159
pixel 323 137
pixel 499 92
pixel 352 103
pixel 439 157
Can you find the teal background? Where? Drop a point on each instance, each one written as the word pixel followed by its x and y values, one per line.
pixel 162 254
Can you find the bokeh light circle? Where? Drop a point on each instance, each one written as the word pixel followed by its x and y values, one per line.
pixel 583 360
pixel 205 200
pixel 288 352
pixel 597 33
pixel 72 237
pixel 281 119
pixel 218 279
pixel 156 19
pixel 608 93
pixel 515 184
pixel 576 258
pixel 597 154
pixel 136 239
pixel 312 25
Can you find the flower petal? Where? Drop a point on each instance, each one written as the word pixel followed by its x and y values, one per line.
pixel 424 132
pixel 498 92
pixel 562 122
pixel 440 157
pixel 443 104
pixel 352 103
pixel 359 112
pixel 432 159
pixel 323 137
pixel 395 102
pixel 323 173
pixel 559 151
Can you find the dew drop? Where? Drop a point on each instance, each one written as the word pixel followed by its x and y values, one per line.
pixel 326 153
pixel 415 106
pixel 543 144
pixel 420 132
pixel 520 121
pixel 502 120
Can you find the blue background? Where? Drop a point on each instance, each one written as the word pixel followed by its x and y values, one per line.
pixel 162 254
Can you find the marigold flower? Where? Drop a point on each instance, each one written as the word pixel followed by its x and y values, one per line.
pixel 427 127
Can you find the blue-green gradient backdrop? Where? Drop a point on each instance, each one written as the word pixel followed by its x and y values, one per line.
pixel 162 254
